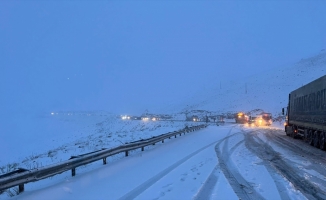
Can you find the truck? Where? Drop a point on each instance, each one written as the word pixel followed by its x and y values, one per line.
pixel 306 113
pixel 264 119
pixel 241 118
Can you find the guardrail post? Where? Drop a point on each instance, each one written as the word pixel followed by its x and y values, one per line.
pixel 175 136
pixel 21 188
pixel 73 171
pixel 180 134
pixel 127 153
pixel 162 141
pixel 104 161
pixel 142 148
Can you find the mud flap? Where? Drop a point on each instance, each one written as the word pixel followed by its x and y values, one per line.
pixel 288 130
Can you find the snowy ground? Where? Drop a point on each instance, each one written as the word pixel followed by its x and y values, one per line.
pixel 220 162
pixel 55 137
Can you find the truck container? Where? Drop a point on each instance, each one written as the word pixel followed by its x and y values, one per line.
pixel 306 113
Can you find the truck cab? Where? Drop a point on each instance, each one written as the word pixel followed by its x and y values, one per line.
pixel 264 119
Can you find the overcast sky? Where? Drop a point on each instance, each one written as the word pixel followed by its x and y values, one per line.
pixel 128 56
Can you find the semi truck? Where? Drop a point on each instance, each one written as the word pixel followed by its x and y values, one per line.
pixel 306 113
pixel 264 119
pixel 241 118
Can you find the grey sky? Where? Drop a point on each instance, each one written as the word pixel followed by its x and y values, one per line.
pixel 128 56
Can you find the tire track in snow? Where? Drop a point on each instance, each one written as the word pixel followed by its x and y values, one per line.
pixel 239 185
pixel 275 160
pixel 209 185
pixel 207 189
pixel 303 150
pixel 141 188
pixel 282 190
pixel 296 145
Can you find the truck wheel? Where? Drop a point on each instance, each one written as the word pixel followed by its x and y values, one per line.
pixel 316 139
pixel 305 137
pixel 309 138
pixel 293 132
pixel 322 141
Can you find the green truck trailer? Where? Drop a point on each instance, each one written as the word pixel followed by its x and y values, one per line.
pixel 306 113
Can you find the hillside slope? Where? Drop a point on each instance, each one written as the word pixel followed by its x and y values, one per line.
pixel 268 91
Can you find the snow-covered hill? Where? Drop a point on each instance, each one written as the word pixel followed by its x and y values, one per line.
pixel 267 91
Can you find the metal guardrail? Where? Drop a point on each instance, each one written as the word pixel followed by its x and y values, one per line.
pixel 23 176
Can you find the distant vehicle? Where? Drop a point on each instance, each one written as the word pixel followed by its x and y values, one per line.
pixel 193 118
pixel 306 113
pixel 241 118
pixel 251 121
pixel 125 117
pixel 264 119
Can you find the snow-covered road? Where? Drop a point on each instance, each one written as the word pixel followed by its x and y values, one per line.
pixel 177 168
pixel 219 162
